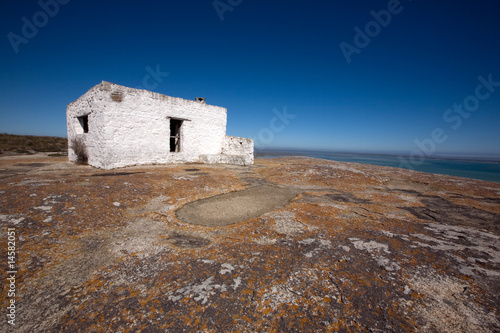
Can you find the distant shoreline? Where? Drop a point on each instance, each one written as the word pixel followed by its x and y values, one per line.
pixel 485 169
pixel 311 153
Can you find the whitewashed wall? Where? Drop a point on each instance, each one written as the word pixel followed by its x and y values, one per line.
pixel 233 145
pixel 131 126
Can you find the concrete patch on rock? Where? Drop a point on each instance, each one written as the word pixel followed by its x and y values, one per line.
pixel 235 207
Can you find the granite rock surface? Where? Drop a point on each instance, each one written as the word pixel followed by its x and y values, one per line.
pixel 340 247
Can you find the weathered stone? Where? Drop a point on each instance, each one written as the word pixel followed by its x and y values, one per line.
pixel 341 247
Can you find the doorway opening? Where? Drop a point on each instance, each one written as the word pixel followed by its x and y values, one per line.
pixel 175 135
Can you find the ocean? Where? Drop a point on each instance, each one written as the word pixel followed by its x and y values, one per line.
pixel 468 168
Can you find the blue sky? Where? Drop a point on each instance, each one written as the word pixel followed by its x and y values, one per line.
pixel 278 67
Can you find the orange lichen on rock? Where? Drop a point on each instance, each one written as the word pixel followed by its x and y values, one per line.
pixel 353 248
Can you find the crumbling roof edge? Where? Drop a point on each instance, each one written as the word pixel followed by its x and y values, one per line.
pixel 105 83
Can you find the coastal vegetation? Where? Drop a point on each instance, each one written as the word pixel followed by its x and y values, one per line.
pixel 29 144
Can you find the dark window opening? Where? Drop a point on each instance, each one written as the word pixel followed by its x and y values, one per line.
pixel 84 122
pixel 175 135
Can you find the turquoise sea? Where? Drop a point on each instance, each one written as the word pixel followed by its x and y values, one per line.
pixel 461 167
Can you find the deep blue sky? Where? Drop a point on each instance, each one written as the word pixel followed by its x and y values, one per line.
pixel 265 56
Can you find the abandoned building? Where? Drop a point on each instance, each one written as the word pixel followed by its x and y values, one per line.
pixel 120 126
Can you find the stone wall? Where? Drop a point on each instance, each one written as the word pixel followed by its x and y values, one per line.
pixel 233 145
pixel 131 126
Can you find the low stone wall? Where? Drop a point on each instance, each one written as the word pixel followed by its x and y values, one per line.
pixel 225 159
pixel 233 145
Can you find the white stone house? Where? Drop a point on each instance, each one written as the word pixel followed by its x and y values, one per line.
pixel 121 126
